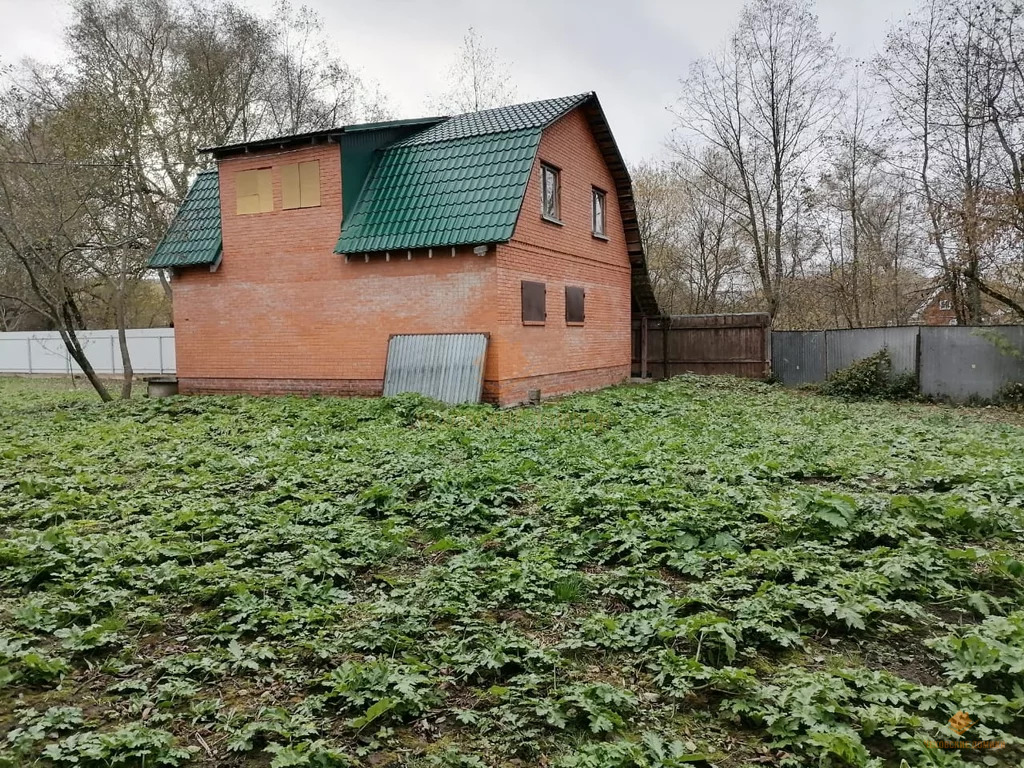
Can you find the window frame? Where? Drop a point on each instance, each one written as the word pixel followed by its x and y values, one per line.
pixel 556 172
pixel 945 305
pixel 528 299
pixel 582 305
pixel 596 193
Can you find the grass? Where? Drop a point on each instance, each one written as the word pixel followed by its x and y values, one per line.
pixel 708 572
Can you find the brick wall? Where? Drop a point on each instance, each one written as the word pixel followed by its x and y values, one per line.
pixel 557 357
pixel 285 313
pixel 934 314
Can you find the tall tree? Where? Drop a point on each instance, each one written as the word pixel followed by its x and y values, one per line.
pixel 147 82
pixel 949 72
pixel 478 79
pixel 766 102
pixel 691 242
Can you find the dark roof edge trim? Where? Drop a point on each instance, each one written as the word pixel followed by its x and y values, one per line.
pixel 644 301
pixel 325 134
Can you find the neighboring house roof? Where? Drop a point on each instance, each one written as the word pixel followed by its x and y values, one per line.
pixel 194 236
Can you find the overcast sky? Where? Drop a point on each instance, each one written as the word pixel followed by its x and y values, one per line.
pixel 632 53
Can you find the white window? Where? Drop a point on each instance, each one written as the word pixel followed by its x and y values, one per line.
pixel 551 192
pixel 597 212
pixel 945 304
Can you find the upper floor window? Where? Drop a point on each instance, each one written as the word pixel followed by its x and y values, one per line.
pixel 254 191
pixel 597 212
pixel 300 185
pixel 945 304
pixel 551 192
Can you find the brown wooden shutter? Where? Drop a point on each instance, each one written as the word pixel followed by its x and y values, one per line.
pixel 574 302
pixel 534 302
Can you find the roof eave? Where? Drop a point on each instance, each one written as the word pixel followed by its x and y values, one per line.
pixel 324 135
pixel 645 301
pixel 457 244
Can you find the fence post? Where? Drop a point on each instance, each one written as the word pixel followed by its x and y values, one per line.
pixel 665 323
pixel 28 346
pixel 643 347
pixel 917 358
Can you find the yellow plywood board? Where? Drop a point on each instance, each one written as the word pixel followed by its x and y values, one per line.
pixel 309 184
pixel 291 196
pixel 254 191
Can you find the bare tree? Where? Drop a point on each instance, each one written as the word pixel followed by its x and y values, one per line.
pixel 766 102
pixel 691 242
pixel 147 82
pixel 869 247
pixel 45 221
pixel 951 76
pixel 478 79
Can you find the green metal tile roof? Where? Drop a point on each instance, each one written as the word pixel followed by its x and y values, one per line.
pixel 536 114
pixel 453 192
pixel 460 182
pixel 194 237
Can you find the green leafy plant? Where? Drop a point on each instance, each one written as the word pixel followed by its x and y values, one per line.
pixel 382 687
pixel 871 378
pixel 992 651
pixel 699 571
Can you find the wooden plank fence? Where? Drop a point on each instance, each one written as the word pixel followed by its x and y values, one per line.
pixel 737 344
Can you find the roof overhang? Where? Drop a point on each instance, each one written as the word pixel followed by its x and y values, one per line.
pixel 313 137
pixel 644 301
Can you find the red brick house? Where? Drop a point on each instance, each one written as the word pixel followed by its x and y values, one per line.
pixel 936 309
pixel 297 258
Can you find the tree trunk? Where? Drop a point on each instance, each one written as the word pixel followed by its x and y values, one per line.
pixel 122 341
pixel 70 338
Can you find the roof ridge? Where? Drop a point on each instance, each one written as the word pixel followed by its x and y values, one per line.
pixel 497 120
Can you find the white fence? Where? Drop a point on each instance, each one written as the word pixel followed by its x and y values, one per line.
pixel 43 352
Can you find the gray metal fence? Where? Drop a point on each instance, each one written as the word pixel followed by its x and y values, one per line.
pixel 845 347
pixel 43 352
pixel 955 362
pixel 798 357
pixel 961 363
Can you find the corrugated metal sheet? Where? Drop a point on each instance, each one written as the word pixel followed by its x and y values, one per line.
pixel 798 357
pixel 445 366
pixel 961 363
pixel 843 347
